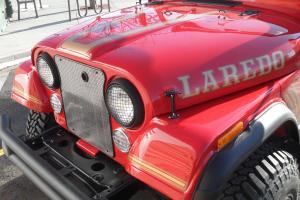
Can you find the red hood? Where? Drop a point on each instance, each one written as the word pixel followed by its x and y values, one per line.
pixel 204 51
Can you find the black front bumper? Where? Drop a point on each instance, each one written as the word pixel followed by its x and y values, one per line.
pixel 61 171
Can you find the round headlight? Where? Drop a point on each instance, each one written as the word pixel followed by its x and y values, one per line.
pixel 124 103
pixel 47 70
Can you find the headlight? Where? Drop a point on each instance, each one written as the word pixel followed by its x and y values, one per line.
pixel 124 103
pixel 47 70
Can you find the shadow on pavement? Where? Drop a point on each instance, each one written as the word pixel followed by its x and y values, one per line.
pixel 13 184
pixel 8 172
pixel 36 27
pixel 20 188
pixel 41 15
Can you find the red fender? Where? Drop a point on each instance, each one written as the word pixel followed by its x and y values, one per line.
pixel 171 155
pixel 28 89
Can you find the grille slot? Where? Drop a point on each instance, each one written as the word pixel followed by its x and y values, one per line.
pixel 84 105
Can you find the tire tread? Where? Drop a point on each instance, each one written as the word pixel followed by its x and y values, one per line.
pixel 263 174
pixel 37 123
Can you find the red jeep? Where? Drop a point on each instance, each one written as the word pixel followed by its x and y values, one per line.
pixel 198 99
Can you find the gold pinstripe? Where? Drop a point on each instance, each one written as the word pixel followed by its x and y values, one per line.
pixel 27 96
pixel 71 43
pixel 150 168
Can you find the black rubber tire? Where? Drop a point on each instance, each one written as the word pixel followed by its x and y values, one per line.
pixel 145 195
pixel 37 123
pixel 271 172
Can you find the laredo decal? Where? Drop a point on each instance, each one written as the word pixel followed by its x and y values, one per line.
pixel 250 69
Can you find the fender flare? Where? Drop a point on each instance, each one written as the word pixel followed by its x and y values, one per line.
pixel 28 90
pixel 225 162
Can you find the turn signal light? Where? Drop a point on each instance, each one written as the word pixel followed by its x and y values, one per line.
pixel 55 103
pixel 121 140
pixel 230 135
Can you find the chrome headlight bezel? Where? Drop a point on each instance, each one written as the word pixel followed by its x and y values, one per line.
pixel 132 95
pixel 50 68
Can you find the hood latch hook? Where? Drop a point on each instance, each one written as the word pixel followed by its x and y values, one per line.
pixel 172 94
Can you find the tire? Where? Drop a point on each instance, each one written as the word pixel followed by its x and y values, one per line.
pixel 271 172
pixel 37 123
pixel 145 195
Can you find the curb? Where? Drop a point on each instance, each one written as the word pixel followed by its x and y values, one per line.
pixel 14 57
pixel 12 64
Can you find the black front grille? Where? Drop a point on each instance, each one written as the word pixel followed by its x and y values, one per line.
pixel 83 98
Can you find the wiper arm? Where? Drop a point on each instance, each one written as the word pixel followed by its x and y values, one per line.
pixel 221 2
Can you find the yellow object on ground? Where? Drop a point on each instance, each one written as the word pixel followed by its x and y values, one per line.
pixel 1 152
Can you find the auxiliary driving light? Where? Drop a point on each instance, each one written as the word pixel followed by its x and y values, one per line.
pixel 47 71
pixel 125 103
pixel 121 140
pixel 55 103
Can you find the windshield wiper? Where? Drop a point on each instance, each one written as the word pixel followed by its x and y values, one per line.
pixel 221 2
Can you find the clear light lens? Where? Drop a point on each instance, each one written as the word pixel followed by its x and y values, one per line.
pixel 121 140
pixel 55 103
pixel 45 72
pixel 120 105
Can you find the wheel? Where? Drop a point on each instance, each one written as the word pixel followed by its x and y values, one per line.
pixel 271 172
pixel 37 123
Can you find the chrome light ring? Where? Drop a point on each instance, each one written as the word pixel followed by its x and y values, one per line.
pixel 47 70
pixel 125 103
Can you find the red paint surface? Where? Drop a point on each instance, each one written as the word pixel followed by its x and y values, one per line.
pixel 28 89
pixel 169 51
pixel 157 49
pixel 87 148
pixel 182 147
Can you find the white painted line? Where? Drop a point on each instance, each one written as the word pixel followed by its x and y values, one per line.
pixel 13 63
pixel 3 78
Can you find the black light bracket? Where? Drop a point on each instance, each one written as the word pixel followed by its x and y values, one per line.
pixel 249 12
pixel 172 94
